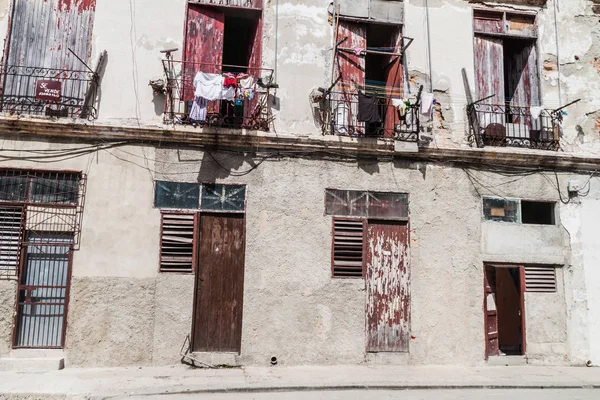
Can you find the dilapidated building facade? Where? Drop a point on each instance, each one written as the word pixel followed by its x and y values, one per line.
pixel 248 182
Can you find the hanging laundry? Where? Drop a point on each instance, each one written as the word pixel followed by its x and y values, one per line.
pixel 367 108
pixel 230 82
pixel 426 104
pixel 198 111
pixel 341 115
pixel 228 93
pixel 246 83
pixel 358 51
pixel 208 86
pixel 401 105
pixel 536 111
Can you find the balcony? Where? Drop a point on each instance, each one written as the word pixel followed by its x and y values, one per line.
pixel 505 125
pixel 244 112
pixel 49 92
pixel 253 4
pixel 344 119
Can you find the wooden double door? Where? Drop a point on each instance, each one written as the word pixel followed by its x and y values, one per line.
pixel 219 288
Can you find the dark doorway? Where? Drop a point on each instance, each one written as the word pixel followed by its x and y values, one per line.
pixel 237 42
pixel 219 284
pixel 383 71
pixel 504 310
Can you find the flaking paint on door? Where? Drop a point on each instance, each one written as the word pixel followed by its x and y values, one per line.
pixel 219 284
pixel 387 285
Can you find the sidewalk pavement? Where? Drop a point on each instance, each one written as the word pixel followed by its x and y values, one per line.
pixel 102 383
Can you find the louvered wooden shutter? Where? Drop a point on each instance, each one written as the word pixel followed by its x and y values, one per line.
pixel 347 249
pixel 177 242
pixel 540 279
pixel 11 237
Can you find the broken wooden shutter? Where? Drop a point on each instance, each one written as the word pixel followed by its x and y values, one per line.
pixel 540 279
pixel 203 45
pixel 11 238
pixel 177 242
pixel 347 248
pixel 489 69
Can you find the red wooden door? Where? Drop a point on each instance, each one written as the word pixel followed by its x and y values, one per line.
pixel 219 284
pixel 492 347
pixel 522 290
pixel 351 71
pixel 489 69
pixel 203 45
pixel 393 86
pixel 387 286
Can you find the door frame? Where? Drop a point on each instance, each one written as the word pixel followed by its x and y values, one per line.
pixel 521 268
pixel 199 265
pixel 22 267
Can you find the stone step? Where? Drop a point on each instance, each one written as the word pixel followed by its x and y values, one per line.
pixel 507 360
pixel 33 360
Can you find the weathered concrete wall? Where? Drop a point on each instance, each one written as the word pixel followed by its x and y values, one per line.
pixel 123 312
pixel 172 317
pixel 111 321
pixel 510 242
pixel 7 309
pixel 546 325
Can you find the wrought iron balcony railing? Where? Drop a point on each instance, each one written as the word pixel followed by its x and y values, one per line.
pixel 48 91
pixel 506 125
pixel 395 123
pixel 256 4
pixel 244 111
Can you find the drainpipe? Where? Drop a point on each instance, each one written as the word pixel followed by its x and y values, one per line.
pixel 276 38
pixel 429 47
pixel 557 51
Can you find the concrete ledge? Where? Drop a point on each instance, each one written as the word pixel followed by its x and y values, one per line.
pixel 33 360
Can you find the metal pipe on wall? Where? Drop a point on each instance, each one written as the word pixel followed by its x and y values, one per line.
pixel 557 51
pixel 276 39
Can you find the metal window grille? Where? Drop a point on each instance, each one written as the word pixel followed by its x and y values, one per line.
pixel 177 242
pixel 540 279
pixel 38 202
pixel 11 240
pixel 348 248
pixel 43 291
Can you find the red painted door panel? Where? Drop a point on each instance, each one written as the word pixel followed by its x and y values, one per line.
pixel 203 44
pixel 489 69
pixel 492 347
pixel 387 285
pixel 393 86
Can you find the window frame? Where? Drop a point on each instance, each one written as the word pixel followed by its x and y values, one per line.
pixel 200 208
pixel 364 246
pixel 195 238
pixel 519 221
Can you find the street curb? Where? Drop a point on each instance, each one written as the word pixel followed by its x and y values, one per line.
pixel 275 389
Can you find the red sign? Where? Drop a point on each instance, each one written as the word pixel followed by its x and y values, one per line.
pixel 48 90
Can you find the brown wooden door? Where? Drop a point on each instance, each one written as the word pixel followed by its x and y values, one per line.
pixel 387 285
pixel 219 284
pixel 492 347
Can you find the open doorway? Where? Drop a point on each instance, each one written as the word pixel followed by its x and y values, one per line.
pixel 383 71
pixel 504 310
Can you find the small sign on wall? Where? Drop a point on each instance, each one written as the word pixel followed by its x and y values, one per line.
pixel 47 90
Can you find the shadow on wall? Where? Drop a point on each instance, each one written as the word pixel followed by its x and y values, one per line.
pixel 220 165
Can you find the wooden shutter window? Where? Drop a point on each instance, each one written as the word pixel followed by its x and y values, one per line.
pixel 11 238
pixel 347 248
pixel 177 242
pixel 540 279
